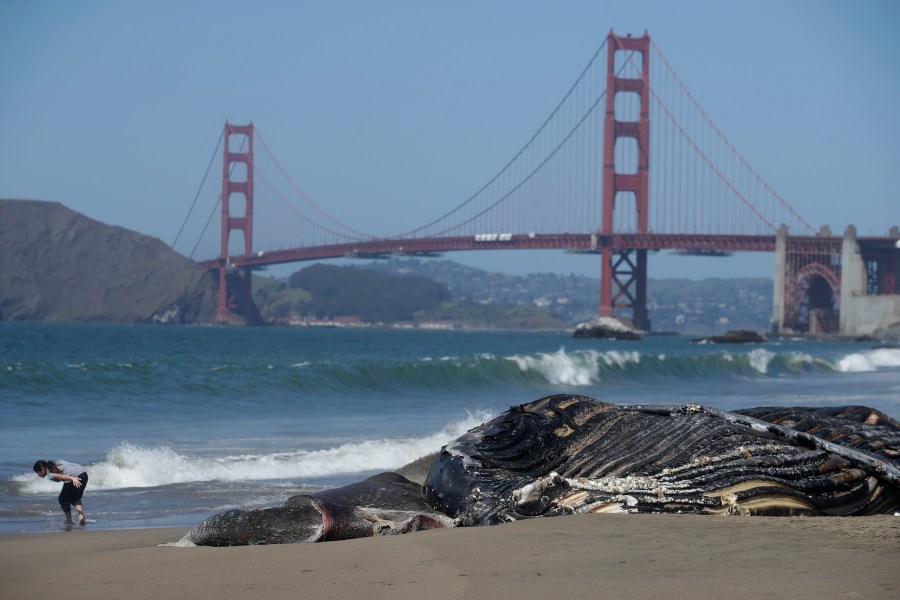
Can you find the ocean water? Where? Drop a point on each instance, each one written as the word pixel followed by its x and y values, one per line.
pixel 177 423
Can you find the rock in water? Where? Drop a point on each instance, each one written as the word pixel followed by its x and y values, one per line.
pixel 572 454
pixel 735 336
pixel 606 328
pixel 889 334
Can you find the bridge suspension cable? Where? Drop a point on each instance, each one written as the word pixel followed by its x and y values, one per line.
pixel 526 179
pixel 693 143
pixel 199 189
pixel 728 143
pixel 204 229
pixel 516 157
pixel 359 235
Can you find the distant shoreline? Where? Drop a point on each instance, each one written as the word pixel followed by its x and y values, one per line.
pixel 393 327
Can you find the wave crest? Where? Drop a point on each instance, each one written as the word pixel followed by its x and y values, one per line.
pixel 869 360
pixel 133 466
pixel 574 369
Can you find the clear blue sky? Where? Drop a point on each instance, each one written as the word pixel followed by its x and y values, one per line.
pixel 113 108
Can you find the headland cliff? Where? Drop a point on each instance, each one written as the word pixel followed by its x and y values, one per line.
pixel 59 265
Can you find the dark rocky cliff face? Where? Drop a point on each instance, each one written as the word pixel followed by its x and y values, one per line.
pixel 58 265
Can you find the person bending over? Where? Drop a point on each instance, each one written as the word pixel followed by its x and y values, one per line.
pixel 75 479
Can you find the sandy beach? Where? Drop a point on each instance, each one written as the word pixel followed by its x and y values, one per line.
pixel 593 556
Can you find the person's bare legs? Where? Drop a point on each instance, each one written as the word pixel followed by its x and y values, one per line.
pixel 68 515
pixel 80 508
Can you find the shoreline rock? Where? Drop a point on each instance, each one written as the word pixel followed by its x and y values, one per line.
pixel 735 336
pixel 606 328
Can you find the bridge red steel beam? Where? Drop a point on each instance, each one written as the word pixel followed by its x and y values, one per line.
pixel 814 245
pixel 575 242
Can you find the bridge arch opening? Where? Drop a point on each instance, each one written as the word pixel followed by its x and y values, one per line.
pixel 819 309
pixel 238 142
pixel 237 204
pixel 627 156
pixel 626 212
pixel 238 172
pixel 629 63
pixel 628 107
pixel 236 243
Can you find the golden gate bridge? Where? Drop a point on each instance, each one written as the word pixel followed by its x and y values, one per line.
pixel 593 178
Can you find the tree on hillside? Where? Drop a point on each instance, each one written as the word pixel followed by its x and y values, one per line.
pixel 372 296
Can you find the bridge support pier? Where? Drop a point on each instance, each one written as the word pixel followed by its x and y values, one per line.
pixel 627 270
pixel 623 272
pixel 778 280
pixel 236 303
pixel 235 297
pixel 870 290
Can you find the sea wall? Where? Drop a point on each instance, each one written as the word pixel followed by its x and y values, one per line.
pixel 861 314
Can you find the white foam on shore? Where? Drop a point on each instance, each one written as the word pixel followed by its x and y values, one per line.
pixel 184 542
pixel 133 466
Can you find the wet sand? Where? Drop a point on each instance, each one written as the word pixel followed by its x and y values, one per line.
pixel 591 556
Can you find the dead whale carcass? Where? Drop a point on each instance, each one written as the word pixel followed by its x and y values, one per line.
pixel 565 454
pixel 384 504
pixel 569 454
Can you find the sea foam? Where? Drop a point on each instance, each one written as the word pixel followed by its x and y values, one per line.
pixel 133 466
pixel 869 360
pixel 760 359
pixel 581 368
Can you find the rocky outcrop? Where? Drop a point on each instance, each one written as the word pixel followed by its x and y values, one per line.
pixel 606 328
pixel 736 336
pixel 58 265
pixel 890 334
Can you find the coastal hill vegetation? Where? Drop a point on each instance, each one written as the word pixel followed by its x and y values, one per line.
pixel 427 291
pixel 326 293
pixel 372 296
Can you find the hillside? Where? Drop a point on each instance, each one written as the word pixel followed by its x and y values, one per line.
pixel 358 295
pixel 369 295
pixel 487 300
pixel 58 265
pixel 696 307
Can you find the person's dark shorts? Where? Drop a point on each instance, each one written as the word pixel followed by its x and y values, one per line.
pixel 72 495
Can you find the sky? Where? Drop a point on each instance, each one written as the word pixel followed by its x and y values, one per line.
pixel 113 108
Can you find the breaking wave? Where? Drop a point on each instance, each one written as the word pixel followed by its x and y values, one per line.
pixel 562 368
pixel 134 466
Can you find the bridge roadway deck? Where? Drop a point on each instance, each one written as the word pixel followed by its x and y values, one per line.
pixel 572 242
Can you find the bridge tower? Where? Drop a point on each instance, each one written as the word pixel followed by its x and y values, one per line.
pixel 623 275
pixel 235 296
